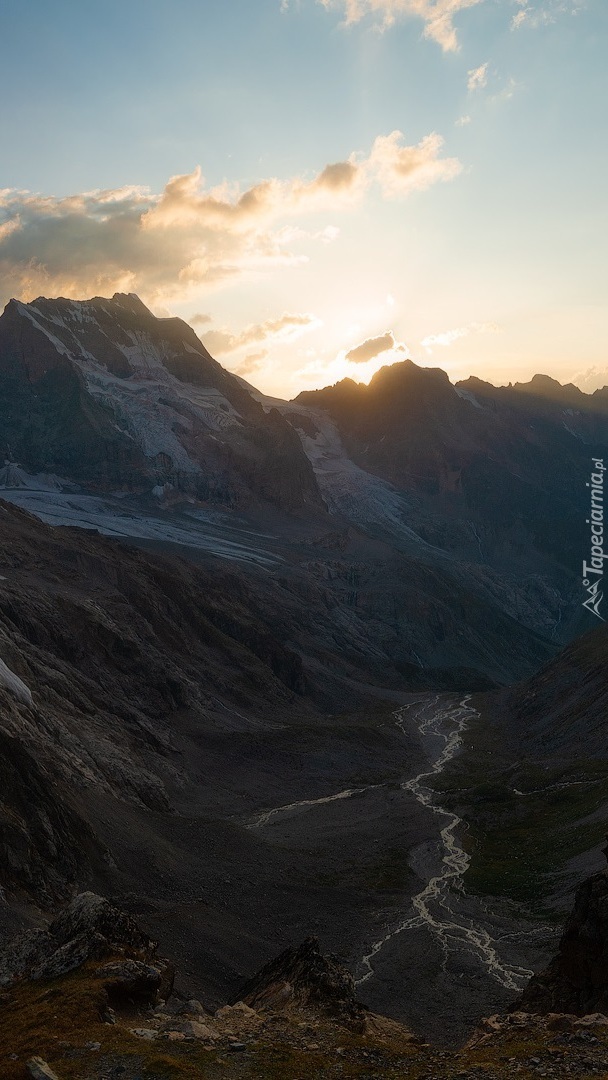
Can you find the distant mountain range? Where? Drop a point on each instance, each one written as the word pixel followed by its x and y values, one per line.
pixel 443 526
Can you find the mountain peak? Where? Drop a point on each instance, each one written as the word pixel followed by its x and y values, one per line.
pixel 108 394
pixel 131 301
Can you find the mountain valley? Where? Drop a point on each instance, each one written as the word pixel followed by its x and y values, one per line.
pixel 271 669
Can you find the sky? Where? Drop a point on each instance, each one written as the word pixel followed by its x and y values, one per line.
pixel 320 187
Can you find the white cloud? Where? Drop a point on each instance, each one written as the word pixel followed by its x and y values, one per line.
pixel 164 246
pixel 544 12
pixel 403 169
pixel 592 379
pixel 448 337
pixel 463 121
pixel 478 78
pixel 287 327
pixel 437 16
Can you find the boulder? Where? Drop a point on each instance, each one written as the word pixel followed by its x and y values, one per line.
pixel 91 928
pixel 302 977
pixel 89 914
pixel 131 980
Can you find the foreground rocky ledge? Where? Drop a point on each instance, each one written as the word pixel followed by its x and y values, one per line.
pixel 90 999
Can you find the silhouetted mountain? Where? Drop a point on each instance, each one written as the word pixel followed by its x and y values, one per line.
pixel 509 463
pixel 119 421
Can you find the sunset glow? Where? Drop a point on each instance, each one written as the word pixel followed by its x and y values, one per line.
pixel 300 178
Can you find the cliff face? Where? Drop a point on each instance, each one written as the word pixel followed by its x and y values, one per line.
pixel 105 394
pixel 576 981
pixel 513 460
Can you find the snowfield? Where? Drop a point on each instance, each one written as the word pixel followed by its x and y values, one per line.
pixel 11 682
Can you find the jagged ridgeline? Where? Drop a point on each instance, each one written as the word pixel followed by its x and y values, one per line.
pixel 442 525
pixel 104 393
pixel 229 711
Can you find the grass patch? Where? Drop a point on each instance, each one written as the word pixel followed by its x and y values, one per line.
pixel 55 1020
pixel 526 820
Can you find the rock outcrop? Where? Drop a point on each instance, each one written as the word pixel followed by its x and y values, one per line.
pixel 90 928
pixel 303 978
pixel 576 981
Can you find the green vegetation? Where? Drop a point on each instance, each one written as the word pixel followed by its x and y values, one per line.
pixel 525 821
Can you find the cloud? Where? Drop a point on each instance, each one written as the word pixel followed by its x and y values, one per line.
pixel 200 320
pixel 166 245
pixel 448 337
pixel 252 362
pixel 544 13
pixel 478 78
pixel 337 177
pixel 403 169
pixel 286 328
pixel 323 371
pixel 592 379
pixel 463 121
pixel 436 15
pixel 370 348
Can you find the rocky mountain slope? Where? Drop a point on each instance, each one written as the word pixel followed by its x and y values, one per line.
pixel 90 999
pixel 532 781
pixel 577 979
pixel 410 510
pixel 174 736
pixel 105 394
pixel 167 740
pixel 503 467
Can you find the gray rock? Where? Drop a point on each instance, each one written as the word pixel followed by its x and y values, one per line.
pixel 90 928
pixel 70 956
pixel 192 1008
pixel 38 1069
pixel 130 979
pixel 193 1029
pixel 22 953
pixel 306 978
pixel 90 914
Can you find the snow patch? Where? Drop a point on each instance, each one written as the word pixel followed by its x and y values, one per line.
pixel 15 685
pixel 466 395
pixel 13 477
pixel 201 530
pixel 348 490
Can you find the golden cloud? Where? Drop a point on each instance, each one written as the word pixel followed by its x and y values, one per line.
pixel 436 15
pixel 370 348
pixel 163 245
pixel 477 78
pixel 403 169
pixel 286 327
